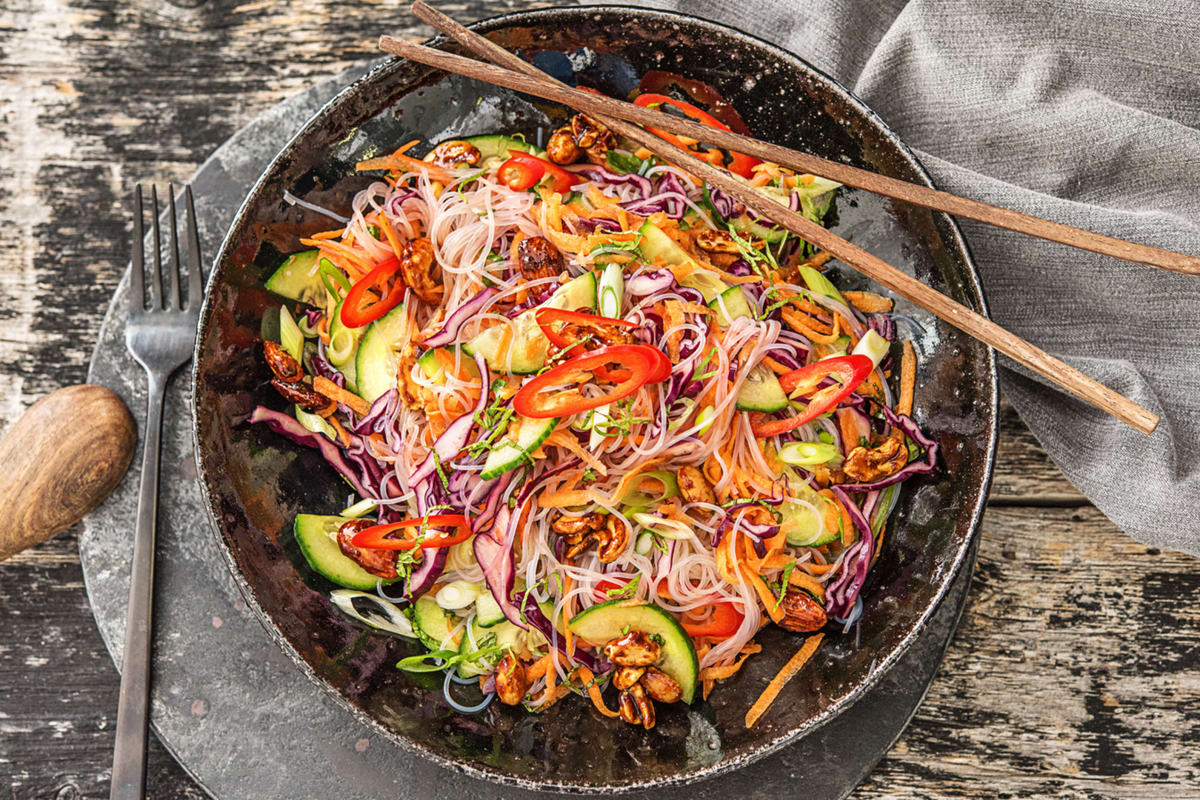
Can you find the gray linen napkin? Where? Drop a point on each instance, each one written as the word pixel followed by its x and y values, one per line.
pixel 1086 112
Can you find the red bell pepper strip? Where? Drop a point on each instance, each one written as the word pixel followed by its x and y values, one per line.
pixel 375 294
pixel 739 163
pixel 524 171
pixel 724 622
pixel 849 371
pixel 533 400
pixel 374 537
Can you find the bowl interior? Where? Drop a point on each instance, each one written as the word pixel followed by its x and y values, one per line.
pixel 255 482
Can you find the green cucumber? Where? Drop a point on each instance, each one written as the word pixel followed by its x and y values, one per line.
pixel 317 537
pixel 376 363
pixel 604 622
pixel 524 436
pixel 658 248
pixel 493 148
pixel 800 525
pixel 761 392
pixel 433 624
pixel 299 279
pixel 529 347
pixel 731 304
pixel 487 610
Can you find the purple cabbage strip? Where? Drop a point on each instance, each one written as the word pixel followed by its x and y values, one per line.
pixel 726 207
pixel 433 562
pixel 591 225
pixel 600 175
pixel 866 550
pixel 650 282
pixel 883 325
pixel 381 413
pixel 455 321
pixel 538 620
pixel 454 438
pixel 493 502
pixel 496 560
pixel 910 428
pixel 322 367
pixel 288 426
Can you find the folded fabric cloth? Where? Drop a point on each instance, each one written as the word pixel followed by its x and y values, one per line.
pixel 1083 111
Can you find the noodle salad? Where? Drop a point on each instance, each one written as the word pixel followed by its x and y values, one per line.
pixel 601 422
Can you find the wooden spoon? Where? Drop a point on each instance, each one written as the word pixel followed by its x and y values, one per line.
pixel 60 460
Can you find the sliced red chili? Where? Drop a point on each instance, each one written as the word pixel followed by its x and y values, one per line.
pixel 547 317
pixel 524 171
pixel 723 623
pixel 376 535
pixel 738 163
pixel 543 397
pixel 375 294
pixel 849 371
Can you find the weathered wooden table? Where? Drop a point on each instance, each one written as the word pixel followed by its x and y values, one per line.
pixel 1074 673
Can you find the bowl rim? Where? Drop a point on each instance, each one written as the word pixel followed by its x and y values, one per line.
pixel 972 283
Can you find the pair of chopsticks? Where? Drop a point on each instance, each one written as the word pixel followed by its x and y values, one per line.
pixel 514 73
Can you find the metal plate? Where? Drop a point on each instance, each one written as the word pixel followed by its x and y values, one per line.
pixel 237 713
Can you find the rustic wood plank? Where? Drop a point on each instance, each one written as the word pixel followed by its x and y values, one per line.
pixel 1074 673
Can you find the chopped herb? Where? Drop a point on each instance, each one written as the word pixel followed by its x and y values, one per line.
pixel 626 591
pixel 825 436
pixel 375 232
pixel 783 582
pixel 589 476
pixel 619 161
pixel 658 639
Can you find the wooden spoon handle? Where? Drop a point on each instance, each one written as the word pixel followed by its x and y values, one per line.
pixel 60 460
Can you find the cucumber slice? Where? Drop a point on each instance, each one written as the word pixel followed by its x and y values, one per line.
pixel 376 363
pixel 658 248
pixel 317 537
pixel 761 392
pixel 803 527
pixel 314 423
pixel 602 623
pixel 299 279
pixel 439 362
pixel 433 624
pixel 487 610
pixel 529 346
pixel 343 347
pixel 523 437
pixel 731 304
pixel 819 284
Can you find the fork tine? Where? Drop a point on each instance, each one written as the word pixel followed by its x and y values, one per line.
pixel 173 277
pixel 137 268
pixel 156 278
pixel 195 266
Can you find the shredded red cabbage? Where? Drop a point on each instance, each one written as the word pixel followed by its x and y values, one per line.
pixel 288 426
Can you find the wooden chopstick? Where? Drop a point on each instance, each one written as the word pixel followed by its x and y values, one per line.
pixel 843 173
pixel 533 81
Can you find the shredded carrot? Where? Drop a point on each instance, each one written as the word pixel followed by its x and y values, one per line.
pixel 328 234
pixel 567 441
pixel 774 609
pixel 819 259
pixel 392 238
pixel 720 673
pixel 589 680
pixel 806 582
pixel 347 398
pixel 908 380
pixel 343 436
pixel 838 518
pixel 794 664
pixel 355 256
pixel 398 162
pixel 814 569
pixel 868 302
pixel 802 324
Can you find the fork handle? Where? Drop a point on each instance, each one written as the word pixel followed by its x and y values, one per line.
pixel 129 754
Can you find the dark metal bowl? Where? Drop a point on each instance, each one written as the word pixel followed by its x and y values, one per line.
pixel 255 482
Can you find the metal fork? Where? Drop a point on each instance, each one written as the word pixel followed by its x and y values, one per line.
pixel 160 337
